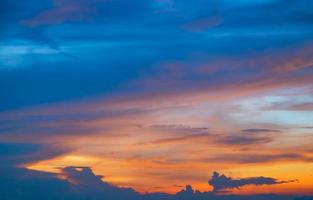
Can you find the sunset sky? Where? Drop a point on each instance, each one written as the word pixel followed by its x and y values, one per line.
pixel 158 94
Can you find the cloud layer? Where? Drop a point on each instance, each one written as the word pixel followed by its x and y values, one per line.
pixel 154 94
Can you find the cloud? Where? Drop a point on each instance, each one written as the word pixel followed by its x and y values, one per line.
pixel 75 183
pixel 38 35
pixel 79 183
pixel 52 48
pixel 308 106
pixel 71 183
pixel 308 127
pixel 16 154
pixel 86 183
pixel 179 128
pixel 179 139
pixel 260 130
pixel 244 140
pixel 187 193
pixel 223 183
pixel 64 11
pixel 294 61
pixel 177 133
pixel 246 158
pixel 203 23
pixel 183 133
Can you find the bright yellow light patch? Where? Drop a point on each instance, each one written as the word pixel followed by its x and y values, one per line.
pixel 54 165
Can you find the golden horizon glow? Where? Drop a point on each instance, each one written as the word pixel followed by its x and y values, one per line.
pixel 124 173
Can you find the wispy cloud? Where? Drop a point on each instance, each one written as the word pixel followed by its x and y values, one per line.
pixel 246 158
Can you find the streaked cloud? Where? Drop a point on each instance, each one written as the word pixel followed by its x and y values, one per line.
pixel 261 158
pixel 155 94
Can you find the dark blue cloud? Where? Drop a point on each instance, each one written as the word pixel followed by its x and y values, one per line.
pixel 82 183
pixel 10 149
pixel 15 154
pixel 222 183
pixel 29 184
pixel 99 51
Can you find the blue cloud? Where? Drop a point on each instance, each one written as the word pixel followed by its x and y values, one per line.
pixel 116 41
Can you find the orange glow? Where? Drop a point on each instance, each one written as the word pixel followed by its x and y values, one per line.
pixel 171 178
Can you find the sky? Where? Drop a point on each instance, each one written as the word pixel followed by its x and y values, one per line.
pixel 154 95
